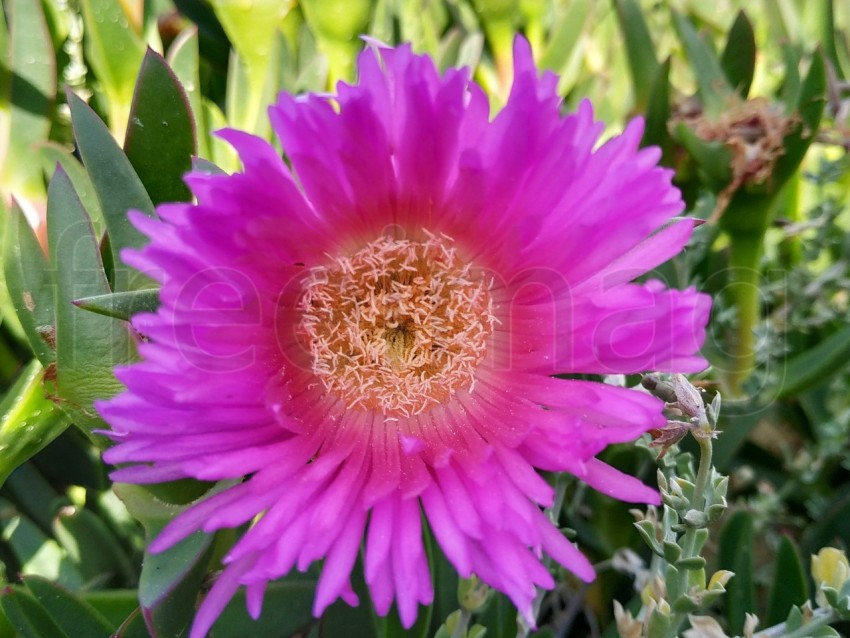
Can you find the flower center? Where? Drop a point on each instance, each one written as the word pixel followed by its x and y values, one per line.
pixel 397 327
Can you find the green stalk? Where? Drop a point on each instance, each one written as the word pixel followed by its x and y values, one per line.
pixel 820 618
pixel 689 540
pixel 743 290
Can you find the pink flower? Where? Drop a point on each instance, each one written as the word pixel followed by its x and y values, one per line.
pixel 370 336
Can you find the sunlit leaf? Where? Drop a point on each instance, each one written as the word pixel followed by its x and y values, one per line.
pixel 70 613
pixel 30 285
pixel 121 305
pixel 88 345
pixel 118 189
pixel 183 57
pixel 160 138
pixel 115 53
pixel 735 553
pixel 739 57
pixel 640 50
pixel 30 93
pixel 27 616
pixel 790 584
pixel 713 88
pixel 28 420
pixel 816 365
pixel 170 580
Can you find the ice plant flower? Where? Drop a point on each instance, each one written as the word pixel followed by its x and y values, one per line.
pixel 364 336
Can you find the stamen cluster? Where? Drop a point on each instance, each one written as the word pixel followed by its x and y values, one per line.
pixel 397 327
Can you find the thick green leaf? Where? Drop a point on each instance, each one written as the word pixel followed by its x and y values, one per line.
pixel 115 53
pixel 223 154
pixel 244 103
pixel 287 609
pixel 115 605
pixel 29 420
pixel 88 346
pixel 789 93
pixel 34 496
pixel 118 189
pixel 35 552
pixel 54 154
pixel 70 613
pixel 566 33
pixel 160 138
pixel 121 305
pixel 133 626
pixel 253 29
pixel 640 50
pixel 183 57
pixel 30 285
pixel 338 23
pixel 92 546
pixel 790 585
pixel 810 104
pixel 31 93
pixel 739 57
pixel 28 616
pixel 171 580
pixel 5 72
pixel 656 132
pixel 824 13
pixel 713 89
pixel 735 553
pixel 816 365
pixel 713 158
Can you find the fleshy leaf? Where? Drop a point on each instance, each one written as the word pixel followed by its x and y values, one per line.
pixel 566 33
pixel 118 189
pixel 816 365
pixel 70 613
pixel 27 615
pixel 92 546
pixel 253 30
pixel 88 346
pixel 713 158
pixel 121 305
pixel 713 89
pixel 790 586
pixel 115 53
pixel 184 59
pixel 30 285
pixel 54 154
pixel 640 50
pixel 736 555
pixel 287 609
pixel 809 107
pixel 36 553
pixel 29 420
pixel 739 57
pixel 656 132
pixel 170 580
pixel 160 138
pixel 31 93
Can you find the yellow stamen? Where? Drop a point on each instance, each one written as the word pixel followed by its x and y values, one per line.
pixel 399 326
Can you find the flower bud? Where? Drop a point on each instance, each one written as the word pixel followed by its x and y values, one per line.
pixel 472 594
pixel 829 569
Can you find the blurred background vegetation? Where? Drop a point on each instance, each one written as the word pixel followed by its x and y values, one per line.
pixel 749 102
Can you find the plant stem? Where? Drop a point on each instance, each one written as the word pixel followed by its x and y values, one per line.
pixel 689 540
pixel 820 618
pixel 745 253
